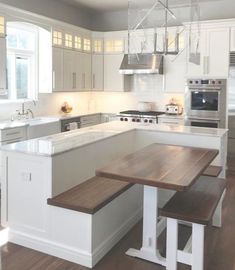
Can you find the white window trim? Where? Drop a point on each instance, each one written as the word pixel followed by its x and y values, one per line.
pixel 27 53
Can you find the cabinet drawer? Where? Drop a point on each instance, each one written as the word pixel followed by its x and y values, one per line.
pixel 13 134
pixel 171 121
pixel 90 119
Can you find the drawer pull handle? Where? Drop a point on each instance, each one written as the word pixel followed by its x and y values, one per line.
pixel 12 133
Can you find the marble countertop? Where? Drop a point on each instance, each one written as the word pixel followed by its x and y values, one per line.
pixel 44 120
pixel 62 142
pixel 28 122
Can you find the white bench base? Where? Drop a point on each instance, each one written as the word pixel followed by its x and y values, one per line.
pixel 195 258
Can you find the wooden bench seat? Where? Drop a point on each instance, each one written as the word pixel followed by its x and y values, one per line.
pixel 196 206
pixel 91 195
pixel 213 171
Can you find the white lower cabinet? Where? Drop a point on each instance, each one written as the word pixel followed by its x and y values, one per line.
pixel 113 80
pixel 171 120
pixel 90 120
pixel 8 136
pixel 37 131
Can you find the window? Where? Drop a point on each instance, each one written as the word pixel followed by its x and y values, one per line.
pixel 114 46
pixel 22 59
pixel 98 46
pixel 57 38
pixel 86 44
pixel 77 42
pixel 68 41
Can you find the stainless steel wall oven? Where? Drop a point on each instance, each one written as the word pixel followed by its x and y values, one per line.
pixel 205 102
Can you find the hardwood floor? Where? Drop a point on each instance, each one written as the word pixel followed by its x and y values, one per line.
pixel 219 248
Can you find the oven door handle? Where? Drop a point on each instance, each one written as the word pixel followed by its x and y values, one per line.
pixel 203 120
pixel 204 89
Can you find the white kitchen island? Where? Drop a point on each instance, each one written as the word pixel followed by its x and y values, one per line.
pixel 42 168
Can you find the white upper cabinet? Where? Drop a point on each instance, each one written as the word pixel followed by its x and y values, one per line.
pixel 97 62
pixel 113 80
pixel 71 60
pixel 58 67
pixel 232 39
pixel 140 43
pixel 69 73
pixel 218 52
pixel 214 54
pixel 174 73
pixel 86 71
pixel 97 72
pixel 114 47
pixel 174 65
pixel 3 74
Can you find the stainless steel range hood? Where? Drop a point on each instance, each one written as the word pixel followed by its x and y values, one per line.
pixel 142 63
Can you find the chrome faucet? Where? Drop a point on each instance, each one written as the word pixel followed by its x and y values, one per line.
pixel 25 113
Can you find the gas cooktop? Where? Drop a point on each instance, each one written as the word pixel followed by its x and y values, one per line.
pixel 150 113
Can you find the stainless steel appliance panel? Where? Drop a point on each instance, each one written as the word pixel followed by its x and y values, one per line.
pixel 206 99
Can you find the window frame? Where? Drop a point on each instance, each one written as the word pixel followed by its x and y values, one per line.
pixel 33 56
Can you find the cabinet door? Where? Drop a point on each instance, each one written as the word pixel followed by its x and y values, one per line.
pixel 170 121
pixel 196 54
pixel 3 81
pixel 97 72
pixel 86 76
pixel 69 70
pixel 174 73
pixel 113 80
pixel 232 40
pixel 57 63
pixel 79 70
pixel 141 44
pixel 218 52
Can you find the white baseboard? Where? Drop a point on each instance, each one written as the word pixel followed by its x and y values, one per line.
pixel 52 248
pixel 113 239
pixel 72 254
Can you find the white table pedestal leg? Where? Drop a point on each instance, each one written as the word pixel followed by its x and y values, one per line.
pixel 149 249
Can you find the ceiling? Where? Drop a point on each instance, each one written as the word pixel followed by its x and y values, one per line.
pixel 117 5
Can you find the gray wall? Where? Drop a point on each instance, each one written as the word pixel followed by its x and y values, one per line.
pixel 54 9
